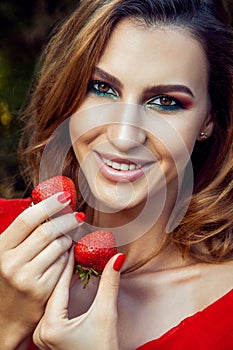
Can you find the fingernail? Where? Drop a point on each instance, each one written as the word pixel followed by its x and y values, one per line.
pixel 64 197
pixel 80 216
pixel 119 262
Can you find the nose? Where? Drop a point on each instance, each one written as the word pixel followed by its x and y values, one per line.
pixel 126 132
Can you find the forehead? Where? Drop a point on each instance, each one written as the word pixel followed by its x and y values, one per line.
pixel 165 53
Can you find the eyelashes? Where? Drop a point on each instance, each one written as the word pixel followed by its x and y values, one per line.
pixel 166 103
pixel 103 89
pixel 161 102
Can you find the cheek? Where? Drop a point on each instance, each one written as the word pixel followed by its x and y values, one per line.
pixel 173 144
pixel 180 134
pixel 189 137
pixel 82 153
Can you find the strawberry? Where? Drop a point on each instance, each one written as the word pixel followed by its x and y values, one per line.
pixel 92 253
pixel 53 185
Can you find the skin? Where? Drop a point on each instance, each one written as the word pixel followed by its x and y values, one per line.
pixel 174 283
pixel 31 263
pixel 137 72
pixel 167 282
pixel 138 76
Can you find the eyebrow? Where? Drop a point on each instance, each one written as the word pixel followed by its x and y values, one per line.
pixel 169 88
pixel 106 76
pixel 157 89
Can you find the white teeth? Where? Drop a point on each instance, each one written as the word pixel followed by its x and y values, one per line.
pixel 124 167
pixel 121 166
pixel 116 166
pixel 132 167
pixel 108 162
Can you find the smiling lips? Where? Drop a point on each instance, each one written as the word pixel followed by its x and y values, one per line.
pixel 121 166
pixel 121 169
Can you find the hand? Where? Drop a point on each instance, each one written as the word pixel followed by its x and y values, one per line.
pixel 33 254
pixel 94 330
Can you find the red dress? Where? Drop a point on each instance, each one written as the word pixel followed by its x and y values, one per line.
pixel 209 329
pixel 10 209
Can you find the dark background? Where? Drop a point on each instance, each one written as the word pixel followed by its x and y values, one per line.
pixel 25 26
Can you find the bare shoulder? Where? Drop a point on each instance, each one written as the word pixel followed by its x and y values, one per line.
pixel 219 272
pixel 217 280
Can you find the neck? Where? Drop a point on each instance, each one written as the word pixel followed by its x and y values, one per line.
pixel 141 234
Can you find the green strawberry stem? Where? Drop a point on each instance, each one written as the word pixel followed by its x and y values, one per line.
pixel 85 273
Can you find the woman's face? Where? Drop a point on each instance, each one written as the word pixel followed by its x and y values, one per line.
pixel 146 106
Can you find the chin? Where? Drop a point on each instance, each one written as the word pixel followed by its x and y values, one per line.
pixel 109 205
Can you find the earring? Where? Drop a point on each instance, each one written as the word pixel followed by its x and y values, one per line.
pixel 203 136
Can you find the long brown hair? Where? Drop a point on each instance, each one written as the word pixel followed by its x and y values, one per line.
pixel 62 81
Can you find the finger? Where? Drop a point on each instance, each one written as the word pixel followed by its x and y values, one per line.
pixel 106 298
pixel 57 305
pixel 30 218
pixel 46 233
pixel 47 257
pixel 37 339
pixel 51 276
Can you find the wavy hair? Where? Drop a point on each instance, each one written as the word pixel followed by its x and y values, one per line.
pixel 60 87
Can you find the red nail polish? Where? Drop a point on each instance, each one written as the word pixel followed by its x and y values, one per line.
pixel 119 262
pixel 80 216
pixel 64 197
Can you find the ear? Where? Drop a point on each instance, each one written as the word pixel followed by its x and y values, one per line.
pixel 206 129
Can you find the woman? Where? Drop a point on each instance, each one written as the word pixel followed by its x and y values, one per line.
pixel 158 76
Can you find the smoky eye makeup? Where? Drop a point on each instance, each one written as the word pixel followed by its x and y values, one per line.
pixel 165 103
pixel 102 89
pixel 163 98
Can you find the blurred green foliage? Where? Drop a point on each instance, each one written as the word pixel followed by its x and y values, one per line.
pixel 24 27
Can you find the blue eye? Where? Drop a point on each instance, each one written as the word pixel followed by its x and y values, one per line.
pixel 102 89
pixel 164 103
